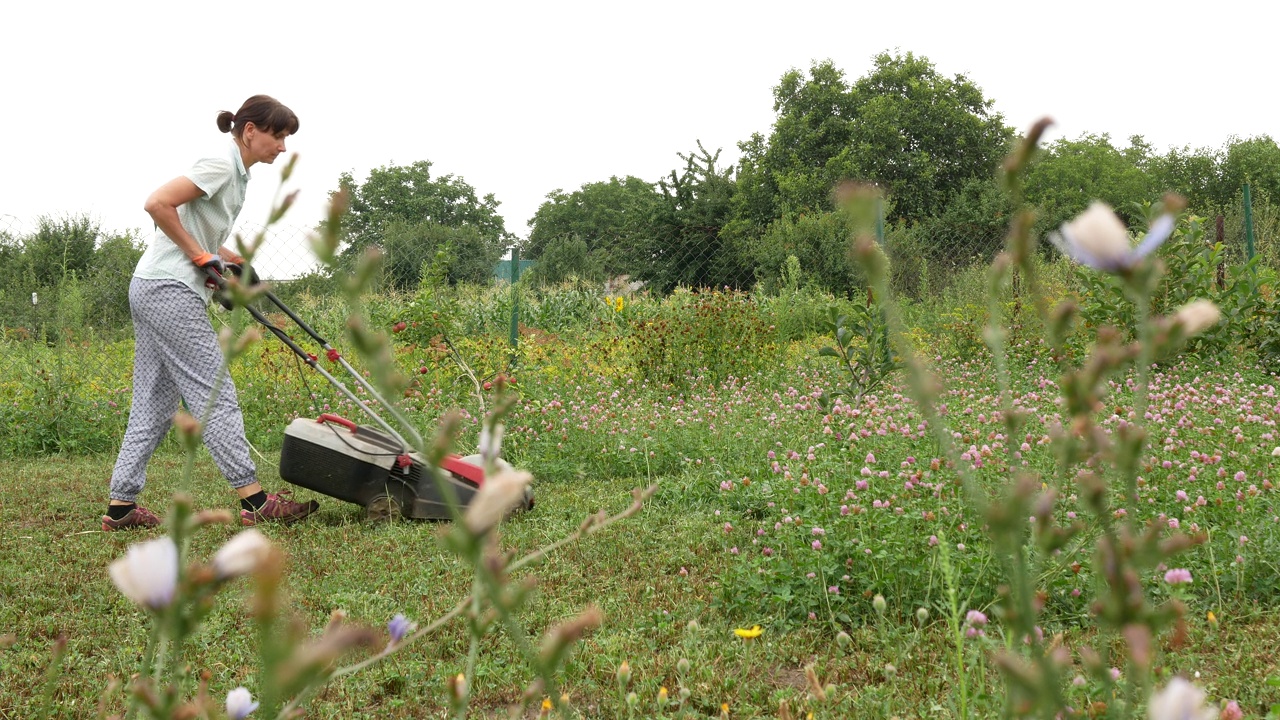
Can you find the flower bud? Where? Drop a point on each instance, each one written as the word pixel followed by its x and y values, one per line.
pixel 242 554
pixel 922 615
pixel 458 688
pixel 212 517
pixel 890 671
pixel 682 666
pixel 624 674
pixel 1197 316
pixel 189 430
pixel 843 640
pixel 878 603
pixel 497 496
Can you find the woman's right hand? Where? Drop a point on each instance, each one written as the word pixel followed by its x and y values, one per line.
pixel 205 261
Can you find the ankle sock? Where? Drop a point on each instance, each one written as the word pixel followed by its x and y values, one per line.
pixel 254 501
pixel 117 512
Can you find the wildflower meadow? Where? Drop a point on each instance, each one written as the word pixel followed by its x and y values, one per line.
pixel 749 504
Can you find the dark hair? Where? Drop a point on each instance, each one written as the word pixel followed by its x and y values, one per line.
pixel 265 112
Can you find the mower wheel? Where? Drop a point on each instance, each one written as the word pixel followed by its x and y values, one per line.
pixel 384 508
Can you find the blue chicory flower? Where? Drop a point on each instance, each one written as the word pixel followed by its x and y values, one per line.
pixel 1098 239
pixel 399 627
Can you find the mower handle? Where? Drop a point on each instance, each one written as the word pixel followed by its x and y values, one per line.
pixel 220 282
pixel 338 419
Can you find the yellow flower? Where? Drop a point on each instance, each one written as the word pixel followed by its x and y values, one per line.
pixel 724 709
pixel 1213 619
pixel 546 703
pixel 754 632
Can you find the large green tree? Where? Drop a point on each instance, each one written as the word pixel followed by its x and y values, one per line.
pixel 408 194
pixel 921 134
pixel 602 219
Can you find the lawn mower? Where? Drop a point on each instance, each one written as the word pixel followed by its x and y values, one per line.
pixel 376 469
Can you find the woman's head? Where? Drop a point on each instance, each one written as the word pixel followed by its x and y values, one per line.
pixel 266 113
pixel 260 127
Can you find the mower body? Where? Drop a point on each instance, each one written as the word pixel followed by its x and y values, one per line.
pixel 340 459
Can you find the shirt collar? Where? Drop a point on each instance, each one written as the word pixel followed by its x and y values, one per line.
pixel 239 160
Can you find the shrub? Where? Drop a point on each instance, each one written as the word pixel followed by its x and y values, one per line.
pixel 701 337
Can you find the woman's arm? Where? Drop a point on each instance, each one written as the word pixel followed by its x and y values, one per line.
pixel 162 206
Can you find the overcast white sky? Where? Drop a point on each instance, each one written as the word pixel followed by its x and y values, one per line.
pixel 104 101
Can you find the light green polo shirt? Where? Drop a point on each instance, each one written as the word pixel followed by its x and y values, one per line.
pixel 223 179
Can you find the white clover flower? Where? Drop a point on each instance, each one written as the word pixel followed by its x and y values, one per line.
pixel 500 493
pixel 148 573
pixel 239 704
pixel 1197 316
pixel 1098 239
pixel 1180 700
pixel 242 554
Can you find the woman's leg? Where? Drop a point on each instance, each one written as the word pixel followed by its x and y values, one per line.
pixel 155 400
pixel 193 358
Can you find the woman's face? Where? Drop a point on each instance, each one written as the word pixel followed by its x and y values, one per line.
pixel 263 146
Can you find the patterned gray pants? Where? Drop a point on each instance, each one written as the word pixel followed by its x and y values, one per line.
pixel 176 354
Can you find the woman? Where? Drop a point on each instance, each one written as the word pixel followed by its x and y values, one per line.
pixel 176 352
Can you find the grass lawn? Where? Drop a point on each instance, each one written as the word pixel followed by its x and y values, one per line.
pixel 53 581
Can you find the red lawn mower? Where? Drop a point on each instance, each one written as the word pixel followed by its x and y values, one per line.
pixel 376 469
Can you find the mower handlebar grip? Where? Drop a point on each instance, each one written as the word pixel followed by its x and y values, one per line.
pixel 327 417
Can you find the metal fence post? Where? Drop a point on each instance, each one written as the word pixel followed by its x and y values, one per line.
pixel 1221 233
pixel 515 305
pixel 1248 223
pixel 880 221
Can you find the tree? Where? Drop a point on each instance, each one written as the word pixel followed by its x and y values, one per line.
pixel 606 217
pixel 1193 174
pixel 468 256
pixel 921 135
pixel 1255 161
pixel 60 247
pixel 107 287
pixel 1062 181
pixel 410 195
pixel 685 244
pixel 562 258
pixel 819 242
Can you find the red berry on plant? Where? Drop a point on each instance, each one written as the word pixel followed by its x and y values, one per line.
pixel 398 327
